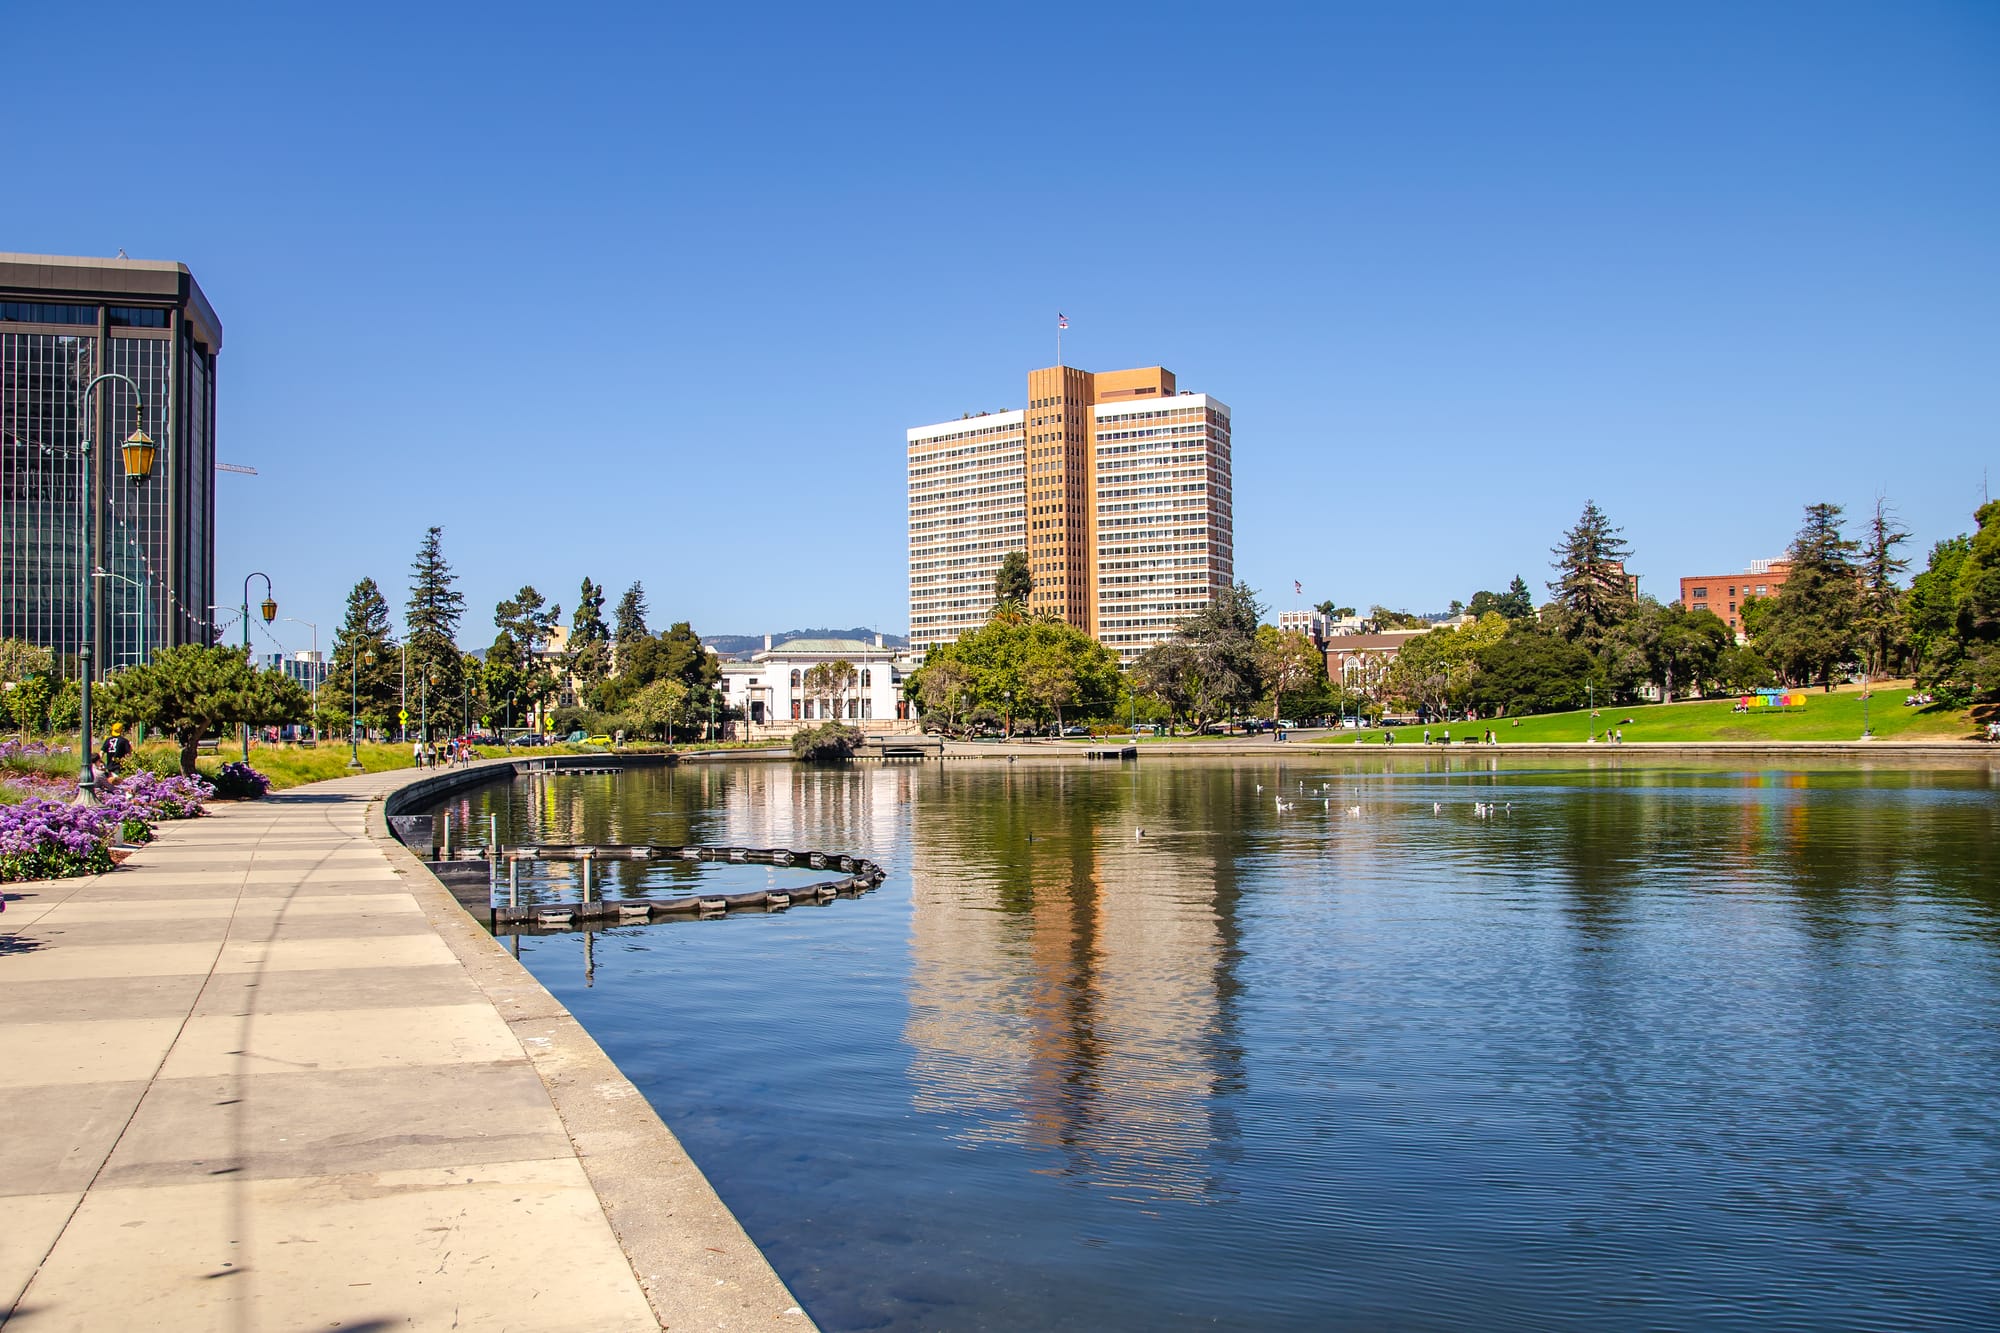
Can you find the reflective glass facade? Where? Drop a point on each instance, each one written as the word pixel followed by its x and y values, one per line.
pixel 154 540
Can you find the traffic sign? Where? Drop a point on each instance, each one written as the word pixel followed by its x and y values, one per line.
pixel 403 715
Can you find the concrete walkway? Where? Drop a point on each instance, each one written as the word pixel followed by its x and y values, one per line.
pixel 268 1076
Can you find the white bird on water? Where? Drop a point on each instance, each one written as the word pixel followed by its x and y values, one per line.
pixel 1354 812
pixel 1282 805
pixel 1437 808
pixel 1139 833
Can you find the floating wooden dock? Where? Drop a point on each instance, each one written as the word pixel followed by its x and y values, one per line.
pixel 465 873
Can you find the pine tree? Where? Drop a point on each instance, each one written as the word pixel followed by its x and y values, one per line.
pixel 1592 591
pixel 1013 582
pixel 1809 629
pixel 1517 603
pixel 1881 599
pixel 372 687
pixel 520 677
pixel 589 656
pixel 432 616
pixel 631 619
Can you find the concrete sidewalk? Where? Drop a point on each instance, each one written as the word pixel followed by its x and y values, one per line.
pixel 268 1076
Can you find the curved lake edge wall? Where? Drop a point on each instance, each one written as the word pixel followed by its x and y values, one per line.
pixel 696 1263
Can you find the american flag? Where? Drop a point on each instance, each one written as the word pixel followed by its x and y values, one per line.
pixel 1297 591
pixel 1062 320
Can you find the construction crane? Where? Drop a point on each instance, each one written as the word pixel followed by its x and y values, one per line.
pixel 236 467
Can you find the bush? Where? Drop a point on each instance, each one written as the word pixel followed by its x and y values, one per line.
pixel 828 743
pixel 43 839
pixel 237 781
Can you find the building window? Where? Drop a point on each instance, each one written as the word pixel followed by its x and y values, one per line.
pixel 864 678
pixel 867 707
pixel 46 312
pixel 795 713
pixel 1701 594
pixel 137 317
pixel 795 678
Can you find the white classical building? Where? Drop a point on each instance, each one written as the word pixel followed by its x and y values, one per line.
pixel 771 687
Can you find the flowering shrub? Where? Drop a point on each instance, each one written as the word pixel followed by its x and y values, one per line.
pixel 153 798
pixel 44 839
pixel 238 781
pixel 16 749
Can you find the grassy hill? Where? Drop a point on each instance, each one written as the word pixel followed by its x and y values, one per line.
pixel 1825 717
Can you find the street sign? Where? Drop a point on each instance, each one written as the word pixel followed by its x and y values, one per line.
pixel 403 716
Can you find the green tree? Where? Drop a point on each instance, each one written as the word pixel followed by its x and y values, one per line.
pixel 589 657
pixel 1517 603
pixel 526 622
pixel 193 691
pixel 1930 618
pixel 1530 671
pixel 1882 625
pixel 1289 664
pixel 630 618
pixel 1223 635
pixel 1382 618
pixel 941 689
pixel 371 691
pixel 987 669
pixel 1809 629
pixel 1741 668
pixel 1976 596
pixel 1670 647
pixel 1592 591
pixel 28 703
pixel 831 683
pixel 1435 671
pixel 431 617
pixel 661 706
pixel 66 706
pixel 1013 582
pixel 1170 674
pixel 1049 677
pixel 20 659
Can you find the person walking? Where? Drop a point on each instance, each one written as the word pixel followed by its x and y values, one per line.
pixel 116 751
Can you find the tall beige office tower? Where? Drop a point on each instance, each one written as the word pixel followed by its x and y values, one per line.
pixel 1115 484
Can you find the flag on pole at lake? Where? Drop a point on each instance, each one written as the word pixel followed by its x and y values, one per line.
pixel 1297 591
pixel 1062 320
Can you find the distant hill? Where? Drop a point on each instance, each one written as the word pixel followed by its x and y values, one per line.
pixel 742 645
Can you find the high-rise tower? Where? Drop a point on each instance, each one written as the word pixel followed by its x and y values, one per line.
pixel 1115 484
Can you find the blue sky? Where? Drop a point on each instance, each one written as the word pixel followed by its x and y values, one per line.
pixel 653 291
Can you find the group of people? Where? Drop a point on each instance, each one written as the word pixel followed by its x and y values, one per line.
pixel 453 752
pixel 1917 700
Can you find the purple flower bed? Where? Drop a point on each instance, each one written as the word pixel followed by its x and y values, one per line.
pixel 29 750
pixel 238 781
pixel 44 839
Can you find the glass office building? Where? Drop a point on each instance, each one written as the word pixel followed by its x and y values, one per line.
pixel 64 321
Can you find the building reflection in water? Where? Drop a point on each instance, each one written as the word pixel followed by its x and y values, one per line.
pixel 1070 987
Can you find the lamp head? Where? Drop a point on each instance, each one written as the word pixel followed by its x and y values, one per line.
pixel 139 449
pixel 369 657
pixel 270 610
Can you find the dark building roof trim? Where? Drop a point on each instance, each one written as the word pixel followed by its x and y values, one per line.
pixel 113 281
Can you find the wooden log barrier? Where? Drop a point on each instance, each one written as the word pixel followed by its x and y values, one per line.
pixel 860 876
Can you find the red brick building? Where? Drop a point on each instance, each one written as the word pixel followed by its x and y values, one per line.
pixel 1725 594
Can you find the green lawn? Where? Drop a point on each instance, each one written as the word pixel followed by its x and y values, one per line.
pixel 1826 717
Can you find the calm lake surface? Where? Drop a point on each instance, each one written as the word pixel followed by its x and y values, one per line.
pixel 1657 1046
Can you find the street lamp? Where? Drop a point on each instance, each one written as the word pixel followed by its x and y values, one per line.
pixel 294 620
pixel 1866 734
pixel 139 453
pixel 354 705
pixel 269 609
pixel 107 574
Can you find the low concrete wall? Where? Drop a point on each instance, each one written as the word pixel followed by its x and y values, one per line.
pixel 697 1265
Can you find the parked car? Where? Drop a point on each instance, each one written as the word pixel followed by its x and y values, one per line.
pixel 597 740
pixel 1075 730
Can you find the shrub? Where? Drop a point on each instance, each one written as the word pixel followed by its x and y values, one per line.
pixel 237 781
pixel 828 743
pixel 44 839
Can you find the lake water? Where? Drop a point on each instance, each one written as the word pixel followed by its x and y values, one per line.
pixel 1647 1046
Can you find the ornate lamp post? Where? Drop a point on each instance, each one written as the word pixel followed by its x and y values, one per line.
pixel 354 705
pixel 139 453
pixel 269 609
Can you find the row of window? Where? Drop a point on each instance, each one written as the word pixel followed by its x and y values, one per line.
pixel 50 312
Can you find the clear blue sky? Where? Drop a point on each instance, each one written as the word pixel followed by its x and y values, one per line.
pixel 653 291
